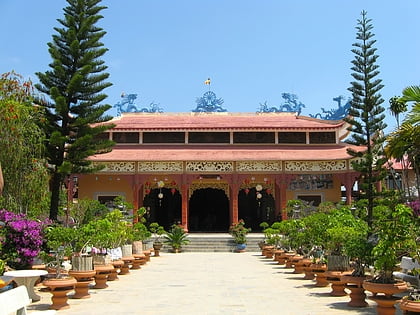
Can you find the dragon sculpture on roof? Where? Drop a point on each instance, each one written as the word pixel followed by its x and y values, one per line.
pixel 126 105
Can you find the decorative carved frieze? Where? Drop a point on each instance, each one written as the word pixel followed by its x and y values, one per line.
pixel 170 167
pixel 118 167
pixel 258 166
pixel 315 166
pixel 198 167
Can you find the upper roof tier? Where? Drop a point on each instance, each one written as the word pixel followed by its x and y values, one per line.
pixel 225 122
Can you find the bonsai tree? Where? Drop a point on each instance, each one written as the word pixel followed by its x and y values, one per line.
pixel 157 232
pixel 140 232
pixel 59 246
pixel 394 228
pixel 176 237
pixel 239 232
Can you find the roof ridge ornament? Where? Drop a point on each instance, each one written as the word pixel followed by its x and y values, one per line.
pixel 209 102
pixel 335 113
pixel 126 105
pixel 291 104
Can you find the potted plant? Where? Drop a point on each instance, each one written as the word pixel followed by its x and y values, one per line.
pixel 239 233
pixel 58 242
pixel 393 226
pixel 140 231
pixel 157 232
pixel 411 302
pixel 176 237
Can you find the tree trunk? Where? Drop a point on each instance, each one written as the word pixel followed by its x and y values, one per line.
pixel 55 195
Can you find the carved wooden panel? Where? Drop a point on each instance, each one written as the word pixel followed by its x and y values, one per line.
pixel 315 166
pixel 258 166
pixel 220 167
pixel 119 167
pixel 147 167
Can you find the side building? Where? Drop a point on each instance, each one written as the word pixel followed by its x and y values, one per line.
pixel 208 170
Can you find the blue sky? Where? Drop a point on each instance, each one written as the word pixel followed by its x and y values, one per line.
pixel 253 51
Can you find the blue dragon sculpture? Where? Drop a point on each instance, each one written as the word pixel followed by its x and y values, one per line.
pixel 291 104
pixel 335 113
pixel 126 105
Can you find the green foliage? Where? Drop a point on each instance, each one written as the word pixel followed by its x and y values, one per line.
pixel 404 143
pixel 86 210
pixel 176 237
pixel 239 232
pixel 157 230
pixel 109 232
pixel 397 230
pixel 365 117
pixel 140 232
pixel 59 240
pixel 74 87
pixel 21 149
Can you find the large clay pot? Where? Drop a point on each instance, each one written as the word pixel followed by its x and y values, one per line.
pixel 387 289
pixel 337 284
pixel 355 285
pixel 59 288
pixel 383 295
pixel 157 247
pixel 410 306
pixel 319 271
pixel 84 279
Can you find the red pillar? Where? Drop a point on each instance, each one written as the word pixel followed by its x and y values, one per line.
pixel 184 200
pixel 234 209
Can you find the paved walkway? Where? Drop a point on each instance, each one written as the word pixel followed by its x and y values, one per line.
pixel 209 283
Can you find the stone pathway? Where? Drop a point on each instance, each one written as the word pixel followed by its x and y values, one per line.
pixel 210 283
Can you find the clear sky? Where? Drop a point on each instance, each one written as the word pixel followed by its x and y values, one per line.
pixel 253 51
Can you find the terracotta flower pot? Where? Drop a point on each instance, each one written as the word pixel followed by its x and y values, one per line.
pixel 355 285
pixel 84 279
pixel 383 295
pixel 59 287
pixel 410 306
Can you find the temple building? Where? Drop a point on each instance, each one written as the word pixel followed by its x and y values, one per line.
pixel 208 170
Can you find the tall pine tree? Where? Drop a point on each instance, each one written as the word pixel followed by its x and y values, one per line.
pixel 366 114
pixel 74 86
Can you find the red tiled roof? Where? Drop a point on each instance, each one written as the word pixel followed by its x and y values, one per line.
pixel 221 121
pixel 225 153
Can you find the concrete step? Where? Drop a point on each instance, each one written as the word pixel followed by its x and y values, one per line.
pixel 218 242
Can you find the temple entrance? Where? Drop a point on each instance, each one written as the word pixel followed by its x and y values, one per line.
pixel 163 206
pixel 208 211
pixel 255 207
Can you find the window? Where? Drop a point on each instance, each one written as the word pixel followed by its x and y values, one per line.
pixel 322 137
pixel 209 137
pixel 126 137
pixel 102 136
pixel 253 137
pixel 163 137
pixel 292 137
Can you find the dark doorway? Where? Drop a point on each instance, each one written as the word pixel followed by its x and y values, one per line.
pixel 254 210
pixel 208 211
pixel 164 207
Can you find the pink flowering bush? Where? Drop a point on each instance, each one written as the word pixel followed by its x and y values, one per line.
pixel 21 239
pixel 415 205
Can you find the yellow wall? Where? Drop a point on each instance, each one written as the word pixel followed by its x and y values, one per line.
pixel 112 184
pixel 333 194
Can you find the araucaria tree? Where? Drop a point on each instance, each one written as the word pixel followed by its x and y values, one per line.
pixel 366 115
pixel 74 85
